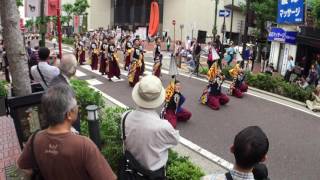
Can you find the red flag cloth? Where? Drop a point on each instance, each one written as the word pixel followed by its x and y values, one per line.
pixel 52 6
pixel 76 24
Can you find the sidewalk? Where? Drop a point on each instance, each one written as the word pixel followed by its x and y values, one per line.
pixel 9 146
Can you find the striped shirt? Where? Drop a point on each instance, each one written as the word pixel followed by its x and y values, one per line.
pixel 236 175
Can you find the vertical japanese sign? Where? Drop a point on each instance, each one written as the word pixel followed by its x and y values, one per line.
pixel 290 11
pixel 76 21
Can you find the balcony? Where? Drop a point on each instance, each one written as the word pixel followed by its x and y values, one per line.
pixel 237 4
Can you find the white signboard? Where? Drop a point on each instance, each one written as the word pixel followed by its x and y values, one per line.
pixel 142 33
pixel 32 8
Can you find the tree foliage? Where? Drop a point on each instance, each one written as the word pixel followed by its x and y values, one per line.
pixel 68 9
pixel 80 7
pixel 19 3
pixel 315 4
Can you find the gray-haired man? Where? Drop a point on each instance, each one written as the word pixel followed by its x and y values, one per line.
pixel 59 153
pixel 68 68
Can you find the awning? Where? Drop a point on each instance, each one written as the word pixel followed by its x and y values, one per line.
pixel 307 40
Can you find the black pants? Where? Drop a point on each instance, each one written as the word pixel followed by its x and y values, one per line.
pixel 197 61
pixel 209 64
pixel 287 75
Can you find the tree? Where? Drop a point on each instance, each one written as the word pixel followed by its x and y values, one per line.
pixel 19 3
pixel 16 53
pixel 80 7
pixel 68 9
pixel 29 24
pixel 315 4
pixel 264 10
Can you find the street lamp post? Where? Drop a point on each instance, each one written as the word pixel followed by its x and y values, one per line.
pixel 246 27
pixel 231 24
pixel 214 31
pixel 93 124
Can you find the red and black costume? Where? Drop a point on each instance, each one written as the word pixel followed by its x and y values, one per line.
pixel 215 98
pixel 113 64
pixel 157 61
pixel 94 56
pixel 82 54
pixel 174 111
pixel 240 86
pixel 135 67
pixel 103 58
pixel 127 54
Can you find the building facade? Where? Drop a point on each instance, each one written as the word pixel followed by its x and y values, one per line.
pixel 190 16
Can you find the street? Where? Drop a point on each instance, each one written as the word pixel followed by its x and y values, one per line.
pixel 294 145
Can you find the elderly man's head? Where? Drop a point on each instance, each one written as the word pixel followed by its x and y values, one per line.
pixel 59 105
pixel 68 65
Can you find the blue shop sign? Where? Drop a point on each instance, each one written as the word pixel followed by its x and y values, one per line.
pixel 277 34
pixel 280 35
pixel 291 37
pixel 290 11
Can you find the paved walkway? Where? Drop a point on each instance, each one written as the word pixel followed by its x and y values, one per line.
pixel 9 145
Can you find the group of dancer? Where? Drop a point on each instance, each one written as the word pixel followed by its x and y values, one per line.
pixel 133 57
pixel 103 55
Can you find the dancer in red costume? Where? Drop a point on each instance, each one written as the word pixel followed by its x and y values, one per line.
pixel 212 95
pixel 157 58
pixel 113 61
pixel 173 110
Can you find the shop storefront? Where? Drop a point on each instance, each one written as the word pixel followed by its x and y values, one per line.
pixel 134 13
pixel 283 45
pixel 308 47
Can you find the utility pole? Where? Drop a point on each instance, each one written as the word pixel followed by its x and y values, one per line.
pixel 230 37
pixel 214 31
pixel 246 27
pixel 42 27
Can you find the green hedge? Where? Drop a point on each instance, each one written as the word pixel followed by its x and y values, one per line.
pixel 110 130
pixel 68 40
pixel 277 85
pixel 86 96
pixel 3 88
pixel 274 84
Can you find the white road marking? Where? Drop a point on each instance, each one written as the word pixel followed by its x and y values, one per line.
pixel 94 82
pixel 80 74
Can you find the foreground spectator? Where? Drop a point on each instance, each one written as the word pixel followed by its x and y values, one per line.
pixel 43 72
pixel 68 68
pixel 58 152
pixel 148 138
pixel 249 148
pixel 260 172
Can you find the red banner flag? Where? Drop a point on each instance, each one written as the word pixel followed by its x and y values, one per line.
pixel 76 24
pixel 52 6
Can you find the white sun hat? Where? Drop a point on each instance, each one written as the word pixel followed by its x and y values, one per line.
pixel 149 92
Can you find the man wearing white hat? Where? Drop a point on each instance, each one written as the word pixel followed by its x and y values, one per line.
pixel 147 136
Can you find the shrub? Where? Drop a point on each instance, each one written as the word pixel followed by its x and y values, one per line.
pixel 225 71
pixel 204 70
pixel 68 40
pixel 85 96
pixel 3 88
pixel 277 85
pixel 180 167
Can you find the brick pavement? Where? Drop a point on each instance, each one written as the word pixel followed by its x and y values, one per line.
pixel 9 145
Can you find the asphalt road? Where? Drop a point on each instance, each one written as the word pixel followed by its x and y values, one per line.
pixel 294 143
